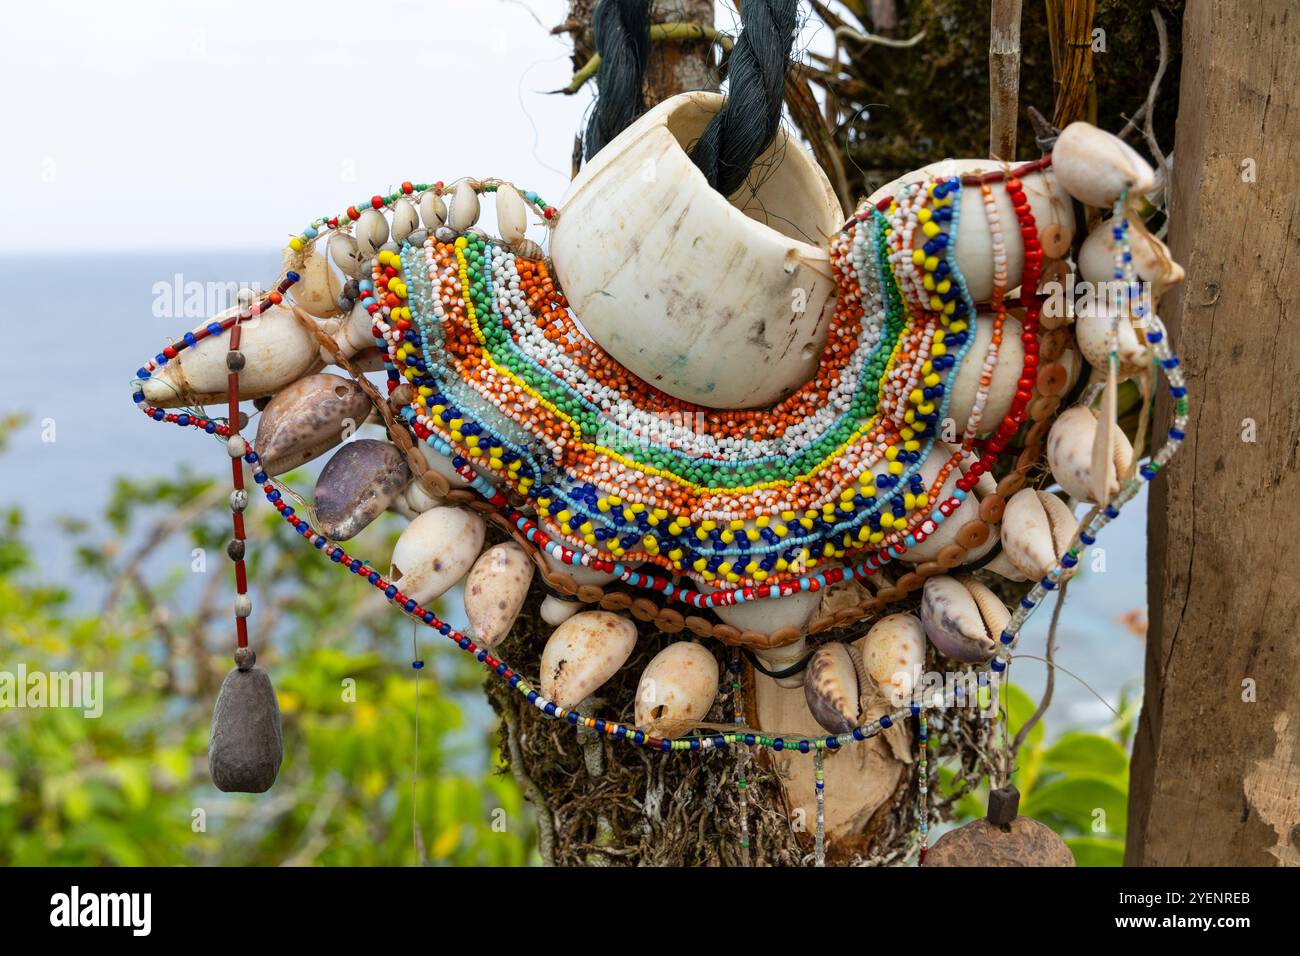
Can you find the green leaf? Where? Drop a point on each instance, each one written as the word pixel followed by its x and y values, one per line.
pixel 122 790
pixel 133 777
pixel 1081 801
pixel 1077 752
pixel 1019 707
pixel 1096 851
pixel 970 805
pixel 77 805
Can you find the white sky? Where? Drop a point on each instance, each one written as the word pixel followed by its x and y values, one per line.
pixel 231 123
pixel 204 123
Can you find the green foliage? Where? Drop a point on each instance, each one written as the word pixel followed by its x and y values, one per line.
pixel 131 787
pixel 1077 785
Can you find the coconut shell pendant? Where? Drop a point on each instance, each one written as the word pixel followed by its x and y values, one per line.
pixel 1002 838
pixel 246 746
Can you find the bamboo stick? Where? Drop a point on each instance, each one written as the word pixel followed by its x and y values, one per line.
pixel 1004 78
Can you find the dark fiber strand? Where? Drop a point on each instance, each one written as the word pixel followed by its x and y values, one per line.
pixel 621 32
pixel 751 115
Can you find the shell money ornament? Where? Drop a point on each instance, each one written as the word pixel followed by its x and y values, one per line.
pixel 747 419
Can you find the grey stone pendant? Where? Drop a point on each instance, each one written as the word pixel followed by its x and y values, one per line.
pixel 246 746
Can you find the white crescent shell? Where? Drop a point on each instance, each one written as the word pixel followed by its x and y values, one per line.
pixel 720 303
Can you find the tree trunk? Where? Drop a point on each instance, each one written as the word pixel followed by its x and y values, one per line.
pixel 674 67
pixel 1216 764
pixel 680 66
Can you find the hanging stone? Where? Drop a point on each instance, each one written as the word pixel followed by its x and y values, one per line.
pixel 246 746
pixel 1002 838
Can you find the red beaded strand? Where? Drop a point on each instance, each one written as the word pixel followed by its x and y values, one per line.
pixel 238 447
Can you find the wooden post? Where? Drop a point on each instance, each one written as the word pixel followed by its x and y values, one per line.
pixel 1004 78
pixel 1216 763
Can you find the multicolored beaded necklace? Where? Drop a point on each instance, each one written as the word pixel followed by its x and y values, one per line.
pixel 464 323
pixel 505 381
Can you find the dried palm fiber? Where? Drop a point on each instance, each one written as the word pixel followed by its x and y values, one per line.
pixel 1069 30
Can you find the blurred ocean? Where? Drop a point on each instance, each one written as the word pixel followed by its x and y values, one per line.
pixel 68 366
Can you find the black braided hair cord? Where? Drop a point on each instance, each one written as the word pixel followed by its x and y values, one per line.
pixel 621 33
pixel 751 115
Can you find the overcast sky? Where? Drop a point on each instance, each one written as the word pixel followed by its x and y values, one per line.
pixel 198 123
pixel 231 123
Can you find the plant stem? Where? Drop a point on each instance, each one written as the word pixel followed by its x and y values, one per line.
pixel 1050 685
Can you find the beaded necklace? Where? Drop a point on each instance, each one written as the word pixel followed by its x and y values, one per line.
pixel 404 328
pixel 710 543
